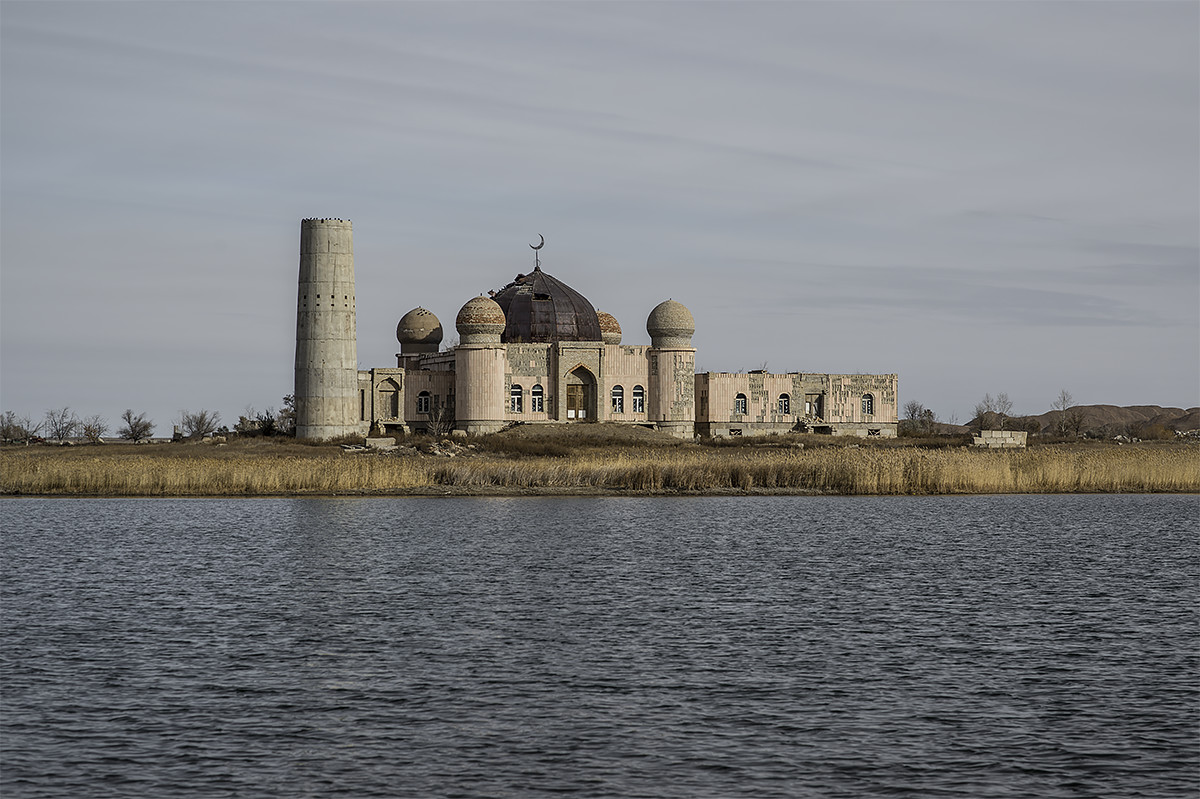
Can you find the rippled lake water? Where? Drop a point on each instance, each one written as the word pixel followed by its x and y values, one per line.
pixel 1010 646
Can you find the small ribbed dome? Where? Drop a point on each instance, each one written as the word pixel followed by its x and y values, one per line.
pixel 481 321
pixel 610 329
pixel 419 331
pixel 670 324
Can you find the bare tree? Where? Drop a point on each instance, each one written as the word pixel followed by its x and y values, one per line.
pixel 18 428
pixel 918 418
pixel 94 428
pixel 61 423
pixel 985 411
pixel 285 420
pixel 1004 405
pixel 137 428
pixel 1074 422
pixel 10 427
pixel 992 412
pixel 1060 407
pixel 199 424
pixel 441 419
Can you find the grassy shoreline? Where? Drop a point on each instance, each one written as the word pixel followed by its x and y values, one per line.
pixel 291 470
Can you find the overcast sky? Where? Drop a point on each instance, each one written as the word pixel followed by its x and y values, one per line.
pixel 980 197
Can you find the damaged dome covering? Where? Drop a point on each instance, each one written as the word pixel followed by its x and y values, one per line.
pixel 540 309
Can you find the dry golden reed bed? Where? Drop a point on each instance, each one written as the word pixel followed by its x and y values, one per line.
pixel 203 471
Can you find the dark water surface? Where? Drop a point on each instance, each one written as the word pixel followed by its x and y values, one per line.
pixel 1012 646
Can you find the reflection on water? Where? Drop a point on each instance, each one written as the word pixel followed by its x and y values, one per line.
pixel 787 646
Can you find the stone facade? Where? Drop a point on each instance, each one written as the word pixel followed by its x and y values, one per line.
pixel 487 382
pixel 759 403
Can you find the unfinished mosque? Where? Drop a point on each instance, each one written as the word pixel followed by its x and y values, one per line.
pixel 537 351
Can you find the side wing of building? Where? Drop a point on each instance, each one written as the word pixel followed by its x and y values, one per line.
pixel 760 403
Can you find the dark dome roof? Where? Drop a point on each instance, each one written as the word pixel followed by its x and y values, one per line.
pixel 538 308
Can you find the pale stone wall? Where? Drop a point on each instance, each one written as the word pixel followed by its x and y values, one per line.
pixel 567 357
pixel 326 366
pixel 1001 439
pixel 625 366
pixel 671 390
pixel 380 397
pixel 846 394
pixel 716 403
pixel 530 365
pixel 481 389
pixel 816 402
pixel 442 388
pixel 866 429
pixel 718 390
pixel 366 382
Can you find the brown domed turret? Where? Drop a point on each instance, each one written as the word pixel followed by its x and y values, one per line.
pixel 610 329
pixel 480 321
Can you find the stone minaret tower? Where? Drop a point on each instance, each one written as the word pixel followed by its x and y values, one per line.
pixel 326 350
pixel 671 399
pixel 480 361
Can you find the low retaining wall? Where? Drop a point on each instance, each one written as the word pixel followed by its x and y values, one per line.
pixel 1001 439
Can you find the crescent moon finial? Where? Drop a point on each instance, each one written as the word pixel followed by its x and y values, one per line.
pixel 541 245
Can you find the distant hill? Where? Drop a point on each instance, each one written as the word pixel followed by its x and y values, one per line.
pixel 1104 421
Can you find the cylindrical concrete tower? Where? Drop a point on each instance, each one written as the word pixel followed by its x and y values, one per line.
pixel 326 350
pixel 480 362
pixel 671 399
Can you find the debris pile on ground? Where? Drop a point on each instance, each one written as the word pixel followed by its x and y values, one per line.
pixel 450 449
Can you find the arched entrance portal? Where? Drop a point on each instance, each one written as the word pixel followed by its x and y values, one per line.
pixel 581 395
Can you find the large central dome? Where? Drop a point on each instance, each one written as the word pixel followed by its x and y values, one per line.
pixel 539 309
